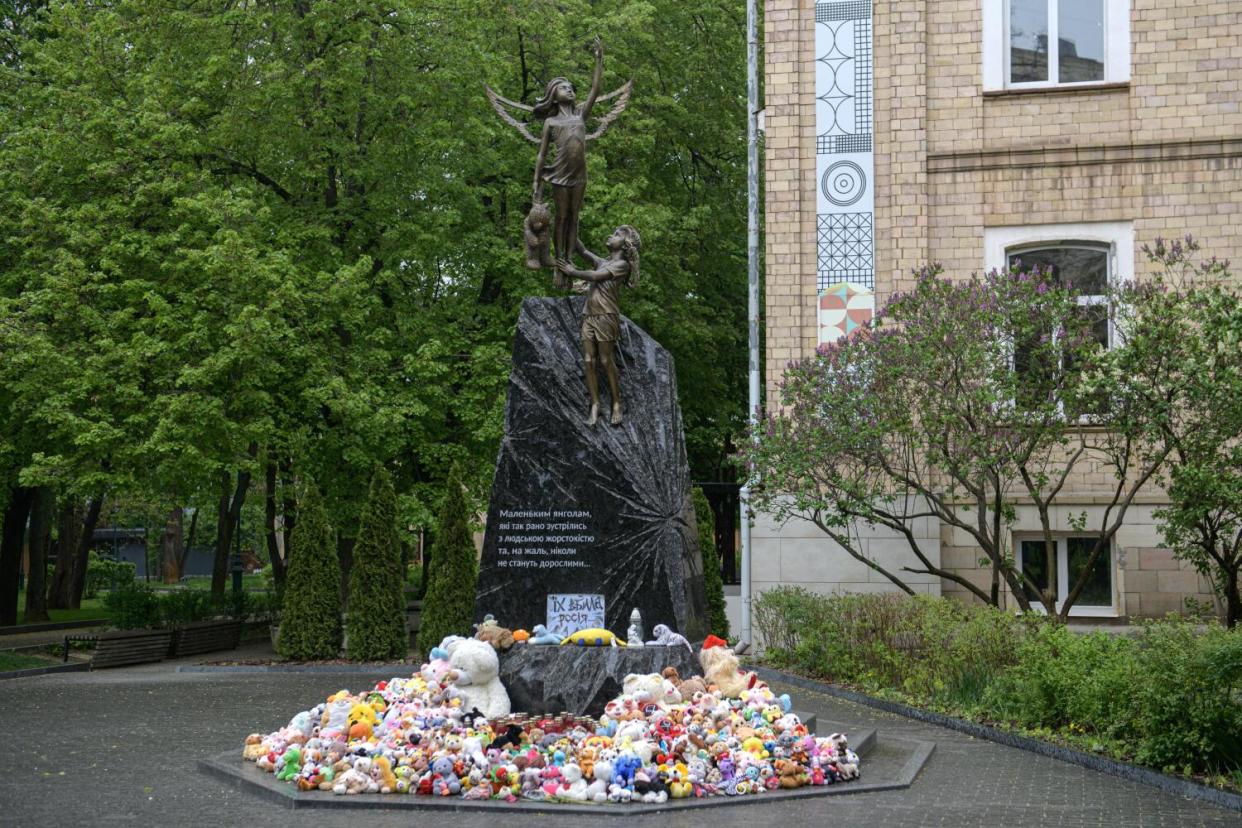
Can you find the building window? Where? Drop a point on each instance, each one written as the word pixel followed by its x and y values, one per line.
pixel 1085 267
pixel 1072 554
pixel 1053 43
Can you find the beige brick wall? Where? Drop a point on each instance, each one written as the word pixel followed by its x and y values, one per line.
pixel 1163 151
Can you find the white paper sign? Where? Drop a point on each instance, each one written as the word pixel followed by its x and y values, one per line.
pixel 569 613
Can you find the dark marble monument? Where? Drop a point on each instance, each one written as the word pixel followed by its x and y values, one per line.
pixel 586 523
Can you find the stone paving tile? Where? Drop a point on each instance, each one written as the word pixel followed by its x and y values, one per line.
pixel 119 748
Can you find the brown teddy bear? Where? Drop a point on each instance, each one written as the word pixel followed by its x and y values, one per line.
pixel 536 235
pixel 499 637
pixel 685 687
pixel 791 774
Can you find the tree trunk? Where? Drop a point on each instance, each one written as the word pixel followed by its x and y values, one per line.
pixel 68 527
pixel 226 519
pixel 1233 600
pixel 15 514
pixel 172 545
pixel 42 512
pixel 345 554
pixel 81 557
pixel 273 548
pixel 189 542
pixel 288 508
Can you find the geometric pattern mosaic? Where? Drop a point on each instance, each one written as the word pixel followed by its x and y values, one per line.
pixel 843 307
pixel 845 161
pixel 846 249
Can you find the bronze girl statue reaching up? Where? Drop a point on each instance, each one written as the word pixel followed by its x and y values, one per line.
pixel 564 131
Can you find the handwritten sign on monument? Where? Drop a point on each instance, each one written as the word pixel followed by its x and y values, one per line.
pixel 569 613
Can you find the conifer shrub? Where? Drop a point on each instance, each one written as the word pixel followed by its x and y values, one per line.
pixel 310 617
pixel 718 619
pixel 375 618
pixel 449 605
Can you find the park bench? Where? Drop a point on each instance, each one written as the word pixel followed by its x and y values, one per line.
pixel 117 649
pixel 205 637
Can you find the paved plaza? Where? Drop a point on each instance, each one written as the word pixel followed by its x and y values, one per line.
pixel 120 747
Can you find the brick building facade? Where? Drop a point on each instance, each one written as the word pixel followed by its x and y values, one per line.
pixel 997 125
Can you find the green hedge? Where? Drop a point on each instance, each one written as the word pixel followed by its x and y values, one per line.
pixel 376 609
pixel 448 607
pixel 105 573
pixel 136 606
pixel 1169 695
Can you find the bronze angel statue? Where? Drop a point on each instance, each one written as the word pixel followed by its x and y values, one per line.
pixel 564 129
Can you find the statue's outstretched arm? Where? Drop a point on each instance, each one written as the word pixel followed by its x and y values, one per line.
pixel 595 80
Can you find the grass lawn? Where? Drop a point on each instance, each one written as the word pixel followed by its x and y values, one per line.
pixel 249 582
pixel 21 661
pixel 91 609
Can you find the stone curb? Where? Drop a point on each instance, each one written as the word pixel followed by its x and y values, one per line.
pixel 52 626
pixel 79 667
pixel 1113 767
pixel 229 768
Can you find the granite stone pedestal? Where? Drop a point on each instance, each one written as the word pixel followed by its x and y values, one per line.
pixel 581 680
pixel 598 515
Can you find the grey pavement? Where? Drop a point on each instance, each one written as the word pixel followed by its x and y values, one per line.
pixel 119 747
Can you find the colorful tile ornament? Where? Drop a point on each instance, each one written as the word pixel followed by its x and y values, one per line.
pixel 843 307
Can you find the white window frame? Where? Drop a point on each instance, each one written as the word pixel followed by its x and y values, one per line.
pixel 1117 236
pixel 1063 584
pixel 996 47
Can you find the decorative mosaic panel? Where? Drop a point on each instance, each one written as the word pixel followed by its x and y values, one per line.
pixel 845 164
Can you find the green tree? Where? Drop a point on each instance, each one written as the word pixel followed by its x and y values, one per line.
pixel 1191 316
pixel 375 614
pixel 310 617
pixel 449 606
pixel 712 582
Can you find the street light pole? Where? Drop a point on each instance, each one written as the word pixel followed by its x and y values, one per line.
pixel 752 283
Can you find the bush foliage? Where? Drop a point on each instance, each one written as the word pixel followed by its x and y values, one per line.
pixel 310 618
pixel 449 605
pixel 376 610
pixel 1169 696
pixel 718 620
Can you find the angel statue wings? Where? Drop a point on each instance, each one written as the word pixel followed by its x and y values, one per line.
pixel 564 131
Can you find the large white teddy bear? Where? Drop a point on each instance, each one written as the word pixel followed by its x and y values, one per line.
pixel 478 677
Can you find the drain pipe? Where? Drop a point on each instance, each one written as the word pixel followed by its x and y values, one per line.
pixel 752 280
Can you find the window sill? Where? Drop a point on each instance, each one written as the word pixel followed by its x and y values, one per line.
pixel 1114 86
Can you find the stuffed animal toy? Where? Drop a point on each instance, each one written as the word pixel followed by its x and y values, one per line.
pixel 511 736
pixel 444 781
pixel 601 773
pixel 499 637
pixel 624 769
pixel 353 781
pixel 645 688
pixel 720 669
pixel 687 687
pixel 575 787
pixel 542 636
pixel 594 637
pixel 650 787
pixel 665 637
pixel 521 636
pixel 477 677
pixel 292 764
pixel 679 786
pixel 536 235
pixel 253 748
pixel 791 774
pixel 381 772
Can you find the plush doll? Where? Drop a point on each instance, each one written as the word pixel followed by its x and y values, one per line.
pixel 624 769
pixel 499 637
pixel 292 764
pixel 645 688
pixel 444 781
pixel 665 637
pixel 594 637
pixel 511 736
pixel 720 669
pixel 253 748
pixel 686 688
pixel 476 675
pixel 792 775
pixel 575 787
pixel 383 771
pixel 536 235
pixel 352 781
pixel 679 786
pixel 601 773
pixel 542 636
pixel 650 787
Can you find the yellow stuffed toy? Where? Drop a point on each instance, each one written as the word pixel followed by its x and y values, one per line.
pixel 593 638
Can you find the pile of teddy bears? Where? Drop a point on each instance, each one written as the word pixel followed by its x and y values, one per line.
pixel 724 733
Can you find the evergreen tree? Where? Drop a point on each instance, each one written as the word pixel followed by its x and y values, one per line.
pixel 449 605
pixel 376 614
pixel 712 583
pixel 310 617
